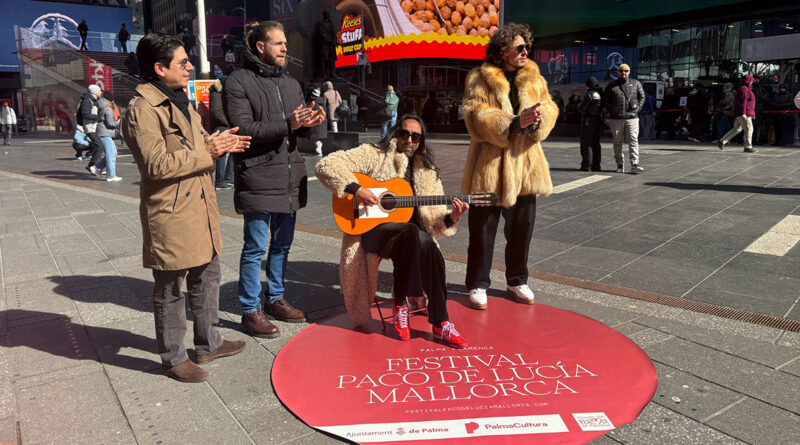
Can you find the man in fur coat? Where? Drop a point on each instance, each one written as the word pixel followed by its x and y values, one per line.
pixel 508 112
pixel 418 263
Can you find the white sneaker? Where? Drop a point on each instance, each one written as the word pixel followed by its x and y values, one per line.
pixel 114 179
pixel 477 298
pixel 522 294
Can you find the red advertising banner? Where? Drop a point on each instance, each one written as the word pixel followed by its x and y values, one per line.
pixel 99 74
pixel 531 373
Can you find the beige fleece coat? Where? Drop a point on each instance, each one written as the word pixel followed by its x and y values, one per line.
pixel 358 271
pixel 509 165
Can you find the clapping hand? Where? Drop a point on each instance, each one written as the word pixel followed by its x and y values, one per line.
pixel 306 117
pixel 227 142
pixel 530 116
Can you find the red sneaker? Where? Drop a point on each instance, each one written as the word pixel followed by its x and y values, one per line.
pixel 400 323
pixel 449 335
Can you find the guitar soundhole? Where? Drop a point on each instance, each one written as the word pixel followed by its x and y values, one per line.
pixel 388 201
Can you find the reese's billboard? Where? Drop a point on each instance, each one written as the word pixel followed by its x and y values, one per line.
pixel 399 29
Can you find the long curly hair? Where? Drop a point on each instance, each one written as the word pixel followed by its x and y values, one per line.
pixel 422 149
pixel 502 41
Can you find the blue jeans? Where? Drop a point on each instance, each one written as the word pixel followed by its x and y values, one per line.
pixel 110 161
pixel 388 124
pixel 278 229
pixel 223 170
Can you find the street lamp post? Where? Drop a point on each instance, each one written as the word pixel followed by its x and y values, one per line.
pixel 205 67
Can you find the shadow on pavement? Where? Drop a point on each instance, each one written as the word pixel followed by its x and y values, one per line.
pixel 59 335
pixel 727 188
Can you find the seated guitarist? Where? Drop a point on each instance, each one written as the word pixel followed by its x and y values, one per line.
pixel 418 263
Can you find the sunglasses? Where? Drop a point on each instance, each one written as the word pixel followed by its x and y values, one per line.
pixel 403 135
pixel 523 47
pixel 624 71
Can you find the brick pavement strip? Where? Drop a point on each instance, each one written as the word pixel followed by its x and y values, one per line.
pixel 78 362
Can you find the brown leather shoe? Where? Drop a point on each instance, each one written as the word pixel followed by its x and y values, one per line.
pixel 186 372
pixel 226 349
pixel 257 325
pixel 283 311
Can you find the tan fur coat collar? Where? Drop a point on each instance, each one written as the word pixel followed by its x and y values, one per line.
pixel 498 84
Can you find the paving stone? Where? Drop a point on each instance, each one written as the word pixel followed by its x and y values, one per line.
pixel 243 381
pixel 32 301
pixel 7 402
pixel 649 337
pixel 90 415
pixel 693 397
pixel 48 346
pixel 108 232
pixel 662 276
pixel 23 245
pixel 791 339
pixel 281 427
pixel 316 438
pixel 731 327
pixel 162 409
pixel 61 226
pixel 659 425
pixel 18 226
pixel 754 380
pixel 120 248
pixel 28 267
pixel 8 430
pixel 763 303
pixel 762 352
pixel 106 306
pixel 95 220
pixel 92 261
pixel 792 367
pixel 68 244
pixel 757 422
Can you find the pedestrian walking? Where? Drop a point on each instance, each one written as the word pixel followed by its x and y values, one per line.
pixel 591 122
pixel 647 117
pixel 668 114
pixel 178 206
pixel 390 101
pixel 318 133
pixel 623 98
pixel 699 105
pixel 271 181
pixel 363 109
pixel 353 105
pixel 106 129
pixel 725 107
pixel 83 31
pixel 783 102
pixel 508 112
pixel 744 108
pixel 123 36
pixel 332 101
pixel 223 165
pixel 89 116
pixel 8 118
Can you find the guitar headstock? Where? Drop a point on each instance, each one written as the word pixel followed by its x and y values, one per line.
pixel 483 199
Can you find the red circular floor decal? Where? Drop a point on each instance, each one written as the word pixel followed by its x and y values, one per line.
pixel 530 373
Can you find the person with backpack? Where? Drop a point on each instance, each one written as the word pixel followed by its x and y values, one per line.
pixel 123 36
pixel 390 102
pixel 88 115
pixel 106 130
pixel 332 101
pixel 7 121
pixel 591 110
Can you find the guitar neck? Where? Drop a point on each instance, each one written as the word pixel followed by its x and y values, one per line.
pixel 432 200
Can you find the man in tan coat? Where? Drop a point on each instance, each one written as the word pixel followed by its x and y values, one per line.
pixel 508 112
pixel 180 219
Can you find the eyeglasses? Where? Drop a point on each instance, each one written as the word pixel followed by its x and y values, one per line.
pixel 182 64
pixel 403 135
pixel 523 47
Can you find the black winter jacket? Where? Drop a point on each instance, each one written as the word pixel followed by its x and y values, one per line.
pixel 614 99
pixel 591 105
pixel 89 110
pixel 216 113
pixel 270 176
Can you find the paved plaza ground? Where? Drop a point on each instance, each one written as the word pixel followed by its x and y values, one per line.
pixel 77 348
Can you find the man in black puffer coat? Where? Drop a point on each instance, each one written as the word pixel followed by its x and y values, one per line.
pixel 270 178
pixel 624 98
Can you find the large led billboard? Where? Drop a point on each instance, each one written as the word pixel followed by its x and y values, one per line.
pixel 399 29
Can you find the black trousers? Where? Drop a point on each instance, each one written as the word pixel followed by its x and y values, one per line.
pixel 591 129
pixel 483 221
pixel 699 124
pixel 418 265
pixel 95 148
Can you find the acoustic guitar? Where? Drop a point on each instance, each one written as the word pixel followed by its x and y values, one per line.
pixel 396 202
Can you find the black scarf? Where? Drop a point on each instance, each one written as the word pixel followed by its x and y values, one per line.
pixel 513 93
pixel 177 97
